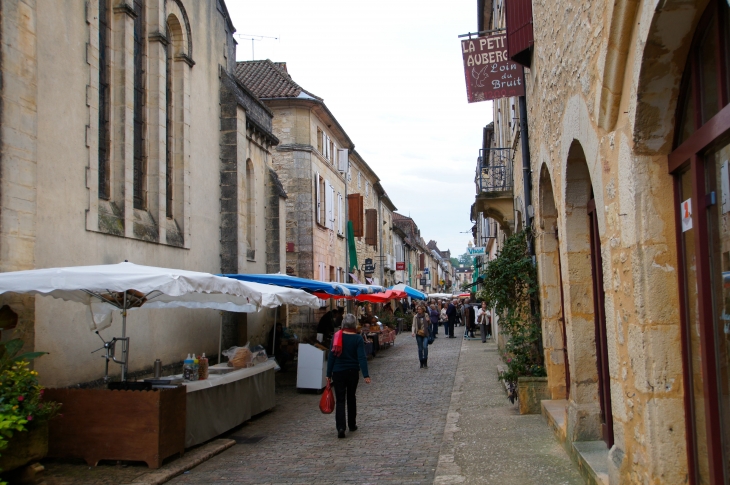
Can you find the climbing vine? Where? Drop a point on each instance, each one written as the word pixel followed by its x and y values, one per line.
pixel 510 286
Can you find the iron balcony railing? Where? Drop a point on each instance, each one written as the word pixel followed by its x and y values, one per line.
pixel 494 170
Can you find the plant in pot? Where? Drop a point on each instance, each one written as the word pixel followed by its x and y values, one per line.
pixel 23 413
pixel 512 288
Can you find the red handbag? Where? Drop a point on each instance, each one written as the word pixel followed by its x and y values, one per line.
pixel 327 402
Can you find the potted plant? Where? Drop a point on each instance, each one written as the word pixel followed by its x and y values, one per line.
pixel 24 414
pixel 512 290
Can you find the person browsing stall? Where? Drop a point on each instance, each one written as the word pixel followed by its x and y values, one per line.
pixel 421 330
pixel 345 362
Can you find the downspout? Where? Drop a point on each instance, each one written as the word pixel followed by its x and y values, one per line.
pixel 380 222
pixel 526 172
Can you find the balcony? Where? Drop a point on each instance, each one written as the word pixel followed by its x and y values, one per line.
pixel 494 185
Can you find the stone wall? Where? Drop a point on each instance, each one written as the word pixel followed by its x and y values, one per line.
pixel 634 202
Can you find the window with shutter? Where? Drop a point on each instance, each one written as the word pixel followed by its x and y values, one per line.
pixel 330 223
pixel 371 234
pixel 317 198
pixel 354 213
pixel 422 262
pixel 340 215
pixel 518 17
pixel 320 141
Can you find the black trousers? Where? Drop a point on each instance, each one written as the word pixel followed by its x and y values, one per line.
pixel 345 388
pixel 452 320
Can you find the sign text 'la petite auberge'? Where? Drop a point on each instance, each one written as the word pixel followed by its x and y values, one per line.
pixel 490 74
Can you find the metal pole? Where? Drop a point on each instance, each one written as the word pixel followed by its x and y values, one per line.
pixel 220 338
pixel 125 356
pixel 273 340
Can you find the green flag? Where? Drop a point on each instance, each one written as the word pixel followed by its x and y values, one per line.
pixel 353 249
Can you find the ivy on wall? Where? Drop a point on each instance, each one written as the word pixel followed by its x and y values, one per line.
pixel 511 287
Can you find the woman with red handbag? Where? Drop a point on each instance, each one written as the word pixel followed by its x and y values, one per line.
pixel 346 360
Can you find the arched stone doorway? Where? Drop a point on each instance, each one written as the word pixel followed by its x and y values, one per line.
pixel 589 411
pixel 549 265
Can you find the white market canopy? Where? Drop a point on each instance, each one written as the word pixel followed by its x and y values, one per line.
pixel 104 287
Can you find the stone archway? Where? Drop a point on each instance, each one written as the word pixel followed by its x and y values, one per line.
pixel 586 415
pixel 551 290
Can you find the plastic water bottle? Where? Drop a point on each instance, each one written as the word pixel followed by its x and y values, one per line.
pixel 188 369
pixel 196 368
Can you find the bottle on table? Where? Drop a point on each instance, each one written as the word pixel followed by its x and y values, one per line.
pixel 196 367
pixel 188 368
pixel 203 369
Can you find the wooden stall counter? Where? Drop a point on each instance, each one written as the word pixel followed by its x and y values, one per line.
pixel 100 424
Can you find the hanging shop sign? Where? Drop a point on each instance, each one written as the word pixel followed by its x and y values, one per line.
pixel 369 267
pixel 489 73
pixel 400 266
pixel 476 251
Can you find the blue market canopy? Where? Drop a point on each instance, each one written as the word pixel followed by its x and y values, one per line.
pixel 362 289
pixel 412 292
pixel 311 286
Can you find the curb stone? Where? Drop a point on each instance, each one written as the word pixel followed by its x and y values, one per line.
pixel 186 462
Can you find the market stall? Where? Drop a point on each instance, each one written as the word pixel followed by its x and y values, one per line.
pixel 151 425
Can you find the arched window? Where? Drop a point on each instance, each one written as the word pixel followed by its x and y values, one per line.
pixel 172 103
pixel 699 164
pixel 140 129
pixel 104 101
pixel 250 211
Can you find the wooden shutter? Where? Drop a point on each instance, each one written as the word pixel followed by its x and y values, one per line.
pixel 371 229
pixel 340 215
pixel 317 198
pixel 354 209
pixel 422 261
pixel 520 37
pixel 330 223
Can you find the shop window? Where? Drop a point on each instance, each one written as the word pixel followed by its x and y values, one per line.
pixel 701 173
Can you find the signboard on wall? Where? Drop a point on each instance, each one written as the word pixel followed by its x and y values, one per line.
pixel 400 266
pixel 489 73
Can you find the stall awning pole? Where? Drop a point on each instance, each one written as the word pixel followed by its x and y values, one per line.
pixel 220 337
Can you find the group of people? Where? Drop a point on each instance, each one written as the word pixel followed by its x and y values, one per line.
pixel 347 357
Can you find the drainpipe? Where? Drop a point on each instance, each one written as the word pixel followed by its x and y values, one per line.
pixel 526 172
pixel 380 229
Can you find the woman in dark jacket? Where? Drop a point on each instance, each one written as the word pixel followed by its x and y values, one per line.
pixel 346 360
pixel 421 330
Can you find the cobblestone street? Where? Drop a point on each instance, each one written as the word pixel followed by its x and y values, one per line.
pixel 401 419
pixel 449 424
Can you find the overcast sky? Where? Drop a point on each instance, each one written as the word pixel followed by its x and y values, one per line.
pixel 391 73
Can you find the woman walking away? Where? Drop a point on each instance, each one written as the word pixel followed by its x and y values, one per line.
pixel 483 319
pixel 420 330
pixel 433 315
pixel 444 319
pixel 346 360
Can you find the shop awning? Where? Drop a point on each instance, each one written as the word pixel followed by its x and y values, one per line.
pixel 286 281
pixel 412 292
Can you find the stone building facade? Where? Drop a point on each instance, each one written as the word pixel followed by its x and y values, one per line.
pixel 310 162
pixel 108 156
pixel 627 107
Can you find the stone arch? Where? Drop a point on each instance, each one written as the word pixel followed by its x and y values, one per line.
pixel 177 9
pixel 667 31
pixel 551 297
pixel 584 410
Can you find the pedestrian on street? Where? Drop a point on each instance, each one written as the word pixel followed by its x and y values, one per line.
pixel 420 330
pixel 469 318
pixel 451 314
pixel 484 319
pixel 434 315
pixel 345 362
pixel 444 319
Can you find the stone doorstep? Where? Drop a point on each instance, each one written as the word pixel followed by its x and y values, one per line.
pixel 591 457
pixel 179 466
